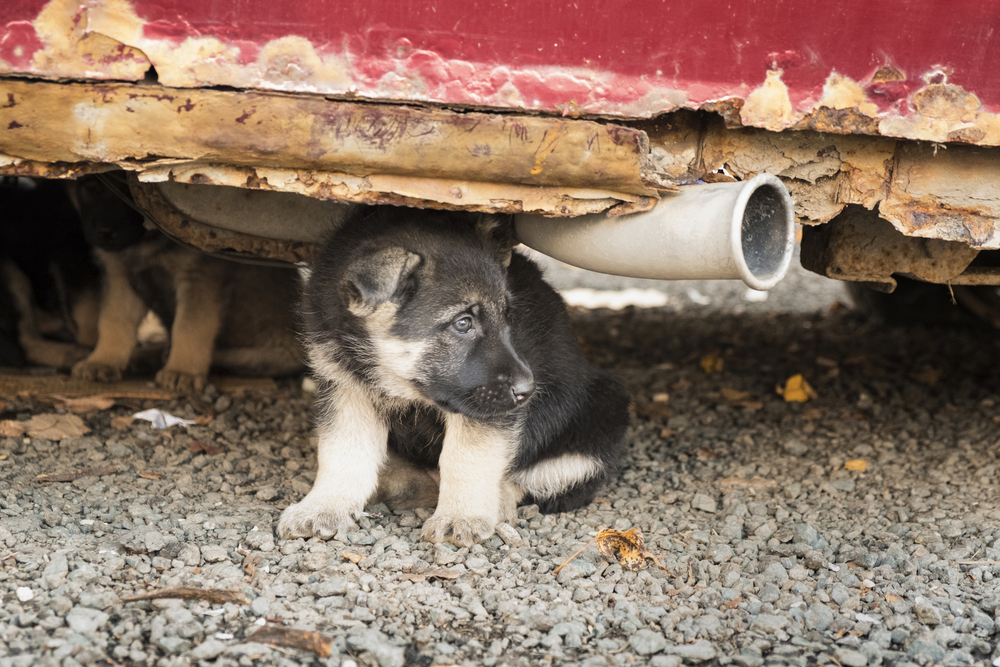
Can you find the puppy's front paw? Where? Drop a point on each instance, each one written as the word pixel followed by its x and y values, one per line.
pixel 462 531
pixel 315 517
pixel 96 371
pixel 180 381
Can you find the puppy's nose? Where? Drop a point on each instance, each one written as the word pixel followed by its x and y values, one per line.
pixel 522 390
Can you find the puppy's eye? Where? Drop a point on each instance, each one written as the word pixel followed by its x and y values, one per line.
pixel 462 324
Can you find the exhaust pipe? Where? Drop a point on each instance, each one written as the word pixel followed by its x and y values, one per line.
pixel 742 230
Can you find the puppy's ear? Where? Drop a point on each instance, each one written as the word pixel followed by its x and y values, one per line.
pixel 378 277
pixel 497 233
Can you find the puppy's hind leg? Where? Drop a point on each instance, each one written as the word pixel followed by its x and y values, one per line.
pixel 353 438
pixel 192 335
pixel 404 486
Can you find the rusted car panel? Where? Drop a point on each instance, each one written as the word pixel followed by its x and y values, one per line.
pixel 901 68
pixel 891 106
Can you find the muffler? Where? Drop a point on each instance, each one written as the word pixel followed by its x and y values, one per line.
pixel 742 230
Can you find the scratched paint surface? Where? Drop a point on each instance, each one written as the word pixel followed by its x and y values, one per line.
pixel 902 68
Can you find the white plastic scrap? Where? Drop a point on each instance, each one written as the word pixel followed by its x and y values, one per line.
pixel 161 419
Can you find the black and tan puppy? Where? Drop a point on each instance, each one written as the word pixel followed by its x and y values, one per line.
pixel 436 347
pixel 237 317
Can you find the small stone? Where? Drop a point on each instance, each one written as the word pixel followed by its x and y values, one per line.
pixel 260 540
pixel 575 569
pixel 154 541
pixel 189 554
pixel 749 657
pixel 208 650
pixel 214 553
pixel 385 654
pixel 703 502
pixel 509 535
pixel 819 617
pixel 850 658
pixel 85 620
pixel 260 606
pixel 770 593
pixel 769 622
pixel 926 612
pixel 720 553
pixel 647 642
pixel 266 493
pixel 24 594
pixel 313 561
pixel 700 651
pixel 223 403
pixel 665 661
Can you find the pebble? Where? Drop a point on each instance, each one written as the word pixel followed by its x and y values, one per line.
pixel 647 642
pixel 771 559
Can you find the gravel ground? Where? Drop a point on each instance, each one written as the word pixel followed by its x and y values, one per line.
pixel 777 553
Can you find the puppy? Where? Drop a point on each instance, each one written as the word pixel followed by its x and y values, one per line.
pixel 434 346
pixel 48 281
pixel 238 317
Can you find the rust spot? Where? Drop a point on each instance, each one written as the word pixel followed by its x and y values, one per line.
pixel 14 125
pixel 188 106
pixel 967 135
pixel 157 97
pixel 887 92
pixel 886 73
pixel 947 102
pixel 246 114
pixel 10 101
pixel 200 179
pixel 839 121
pixel 729 109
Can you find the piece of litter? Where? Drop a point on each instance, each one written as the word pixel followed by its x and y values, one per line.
pixel 223 635
pixel 865 618
pixel 86 522
pixel 213 612
pixel 24 594
pixel 754 296
pixel 698 298
pixel 161 419
pixel 260 621
pixel 835 568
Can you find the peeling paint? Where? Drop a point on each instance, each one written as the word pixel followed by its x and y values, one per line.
pixel 815 80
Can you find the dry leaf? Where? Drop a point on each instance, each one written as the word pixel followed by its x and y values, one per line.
pixel 122 422
pixel 85 403
pixel 712 363
pixel 859 465
pixel 705 453
pixel 927 375
pixel 734 394
pixel 197 447
pixel 56 427
pixel 733 604
pixel 430 574
pixel 666 432
pixel 279 635
pixel 73 475
pixel 201 420
pixel 351 556
pixel 214 595
pixel 250 563
pixel 628 549
pixel 797 390
pixel 150 474
pixel 11 429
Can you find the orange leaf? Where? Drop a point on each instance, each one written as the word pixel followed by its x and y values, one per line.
pixel 797 390
pixel 859 465
pixel 712 363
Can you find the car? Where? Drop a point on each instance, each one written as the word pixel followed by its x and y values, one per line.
pixel 880 121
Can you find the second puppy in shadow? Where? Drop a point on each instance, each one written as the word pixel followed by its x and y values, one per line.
pixel 219 313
